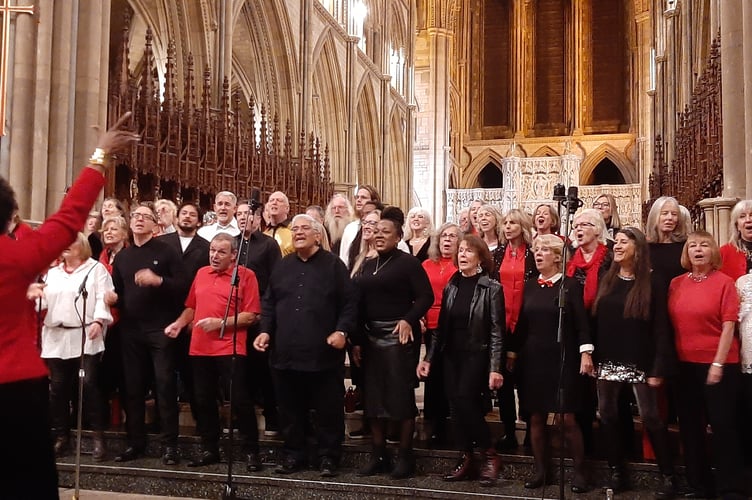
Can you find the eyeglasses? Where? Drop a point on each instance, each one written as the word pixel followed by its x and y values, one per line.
pixel 142 216
pixel 369 223
pixel 451 236
pixel 583 225
pixel 603 204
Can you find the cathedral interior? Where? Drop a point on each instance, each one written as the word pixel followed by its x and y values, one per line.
pixel 433 102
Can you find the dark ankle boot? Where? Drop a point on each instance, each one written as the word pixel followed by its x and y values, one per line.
pixel 489 473
pixel 379 463
pixel 667 487
pixel 99 452
pixel 61 446
pixel 405 466
pixel 617 478
pixel 465 469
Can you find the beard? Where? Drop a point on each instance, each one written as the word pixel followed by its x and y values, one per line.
pixel 335 226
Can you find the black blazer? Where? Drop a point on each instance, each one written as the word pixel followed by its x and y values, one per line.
pixel 195 256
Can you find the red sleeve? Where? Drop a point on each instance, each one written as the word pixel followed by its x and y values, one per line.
pixel 251 300
pixel 190 301
pixel 39 248
pixel 729 302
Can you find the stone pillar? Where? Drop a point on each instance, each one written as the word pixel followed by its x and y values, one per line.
pixel 440 50
pixel 576 78
pixel 670 80
pixel 644 98
pixel 522 87
pixel 718 217
pixel 732 91
pixel 747 88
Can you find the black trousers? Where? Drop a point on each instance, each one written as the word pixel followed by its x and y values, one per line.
pixel 299 392
pixel 27 466
pixel 699 404
pixel 435 403
pixel 466 380
pixel 144 351
pixel 209 373
pixel 63 385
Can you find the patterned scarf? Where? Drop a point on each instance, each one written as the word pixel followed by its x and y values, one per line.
pixel 591 271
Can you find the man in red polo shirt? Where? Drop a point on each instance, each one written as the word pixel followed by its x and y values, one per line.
pixel 211 355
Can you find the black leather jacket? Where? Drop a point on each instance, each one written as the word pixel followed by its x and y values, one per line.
pixel 487 320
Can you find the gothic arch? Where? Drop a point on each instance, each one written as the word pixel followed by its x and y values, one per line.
pixel 328 111
pixel 367 143
pixel 471 174
pixel 607 151
pixel 545 151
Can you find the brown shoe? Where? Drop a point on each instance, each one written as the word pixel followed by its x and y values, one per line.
pixel 463 470
pixel 489 473
pixel 99 453
pixel 61 446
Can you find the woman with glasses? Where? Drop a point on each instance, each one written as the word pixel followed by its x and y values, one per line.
pixel 632 350
pixel 439 267
pixel 469 341
pixel 394 295
pixel 541 367
pixel 606 205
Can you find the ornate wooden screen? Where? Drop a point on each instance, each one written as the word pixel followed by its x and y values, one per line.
pixel 696 172
pixel 190 150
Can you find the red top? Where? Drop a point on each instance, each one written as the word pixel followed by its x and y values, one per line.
pixel 438 274
pixel 104 259
pixel 697 311
pixel 208 298
pixel 24 259
pixel 21 231
pixel 512 277
pixel 733 261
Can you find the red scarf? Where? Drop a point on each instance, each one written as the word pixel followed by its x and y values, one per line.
pixel 591 271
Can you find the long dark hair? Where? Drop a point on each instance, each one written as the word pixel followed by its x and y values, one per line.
pixel 637 305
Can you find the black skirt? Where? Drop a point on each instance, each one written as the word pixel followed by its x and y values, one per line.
pixel 389 377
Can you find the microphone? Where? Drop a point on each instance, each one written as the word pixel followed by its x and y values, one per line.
pixel 573 202
pixel 559 193
pixel 255 201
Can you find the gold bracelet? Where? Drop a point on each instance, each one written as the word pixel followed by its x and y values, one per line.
pixel 99 157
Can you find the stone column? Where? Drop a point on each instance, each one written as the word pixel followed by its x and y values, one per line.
pixel 521 89
pixel 732 90
pixel 717 217
pixel 670 81
pixel 644 97
pixel 440 50
pixel 747 88
pixel 576 78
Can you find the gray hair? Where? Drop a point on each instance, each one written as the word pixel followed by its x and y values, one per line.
pixel 736 235
pixel 679 234
pixel 594 216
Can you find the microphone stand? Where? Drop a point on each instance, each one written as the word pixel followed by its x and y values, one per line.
pixel 230 490
pixel 567 206
pixel 84 294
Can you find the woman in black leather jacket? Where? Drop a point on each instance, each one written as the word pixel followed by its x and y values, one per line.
pixel 469 337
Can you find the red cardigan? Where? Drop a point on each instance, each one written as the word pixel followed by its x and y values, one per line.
pixel 22 260
pixel 733 261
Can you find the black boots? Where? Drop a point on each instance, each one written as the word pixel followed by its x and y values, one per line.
pixel 378 464
pixel 405 466
pixel 99 450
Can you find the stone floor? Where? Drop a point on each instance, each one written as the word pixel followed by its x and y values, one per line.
pixel 109 495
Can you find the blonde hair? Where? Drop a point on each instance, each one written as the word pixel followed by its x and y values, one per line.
pixel 715 251
pixel 615 220
pixel 417 210
pixel 551 241
pixel 497 215
pixel 525 222
pixel 736 235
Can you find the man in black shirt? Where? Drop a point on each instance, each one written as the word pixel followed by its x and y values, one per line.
pixel 260 253
pixel 307 311
pixel 149 285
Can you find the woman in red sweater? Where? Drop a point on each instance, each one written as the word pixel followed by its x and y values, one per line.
pixel 703 307
pixel 27 466
pixel 736 255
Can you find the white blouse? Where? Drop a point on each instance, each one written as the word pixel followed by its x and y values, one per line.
pixel 61 332
pixel 744 288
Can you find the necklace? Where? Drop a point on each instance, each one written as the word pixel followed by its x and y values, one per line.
pixel 697 278
pixel 626 278
pixel 379 267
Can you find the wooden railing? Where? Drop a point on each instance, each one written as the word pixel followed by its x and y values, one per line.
pixel 190 150
pixel 696 172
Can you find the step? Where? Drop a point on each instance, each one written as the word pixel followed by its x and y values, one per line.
pixel 148 476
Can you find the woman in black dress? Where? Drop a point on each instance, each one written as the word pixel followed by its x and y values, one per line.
pixel 632 349
pixel 394 294
pixel 469 341
pixel 540 357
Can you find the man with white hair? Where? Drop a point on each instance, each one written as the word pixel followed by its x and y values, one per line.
pixel 167 213
pixel 339 213
pixel 225 203
pixel 308 310
pixel 278 207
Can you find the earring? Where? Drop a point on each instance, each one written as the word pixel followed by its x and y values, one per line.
pixel 479 269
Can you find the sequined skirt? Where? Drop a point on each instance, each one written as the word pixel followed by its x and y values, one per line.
pixel 621 372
